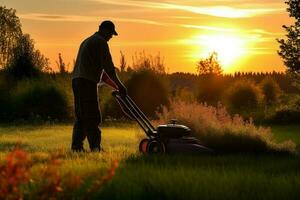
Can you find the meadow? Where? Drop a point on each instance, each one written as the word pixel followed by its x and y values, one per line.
pixel 137 176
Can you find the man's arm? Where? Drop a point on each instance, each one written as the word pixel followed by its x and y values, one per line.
pixel 114 77
pixel 109 68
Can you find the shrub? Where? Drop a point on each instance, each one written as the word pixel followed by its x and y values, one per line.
pixel 184 94
pixel 5 99
pixel 149 62
pixel 34 99
pixel 149 90
pixel 287 114
pixel 215 128
pixel 271 90
pixel 210 89
pixel 243 97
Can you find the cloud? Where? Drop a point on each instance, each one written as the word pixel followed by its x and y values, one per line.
pixel 232 30
pixel 218 11
pixel 81 18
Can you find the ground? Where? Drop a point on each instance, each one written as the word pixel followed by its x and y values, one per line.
pixel 138 176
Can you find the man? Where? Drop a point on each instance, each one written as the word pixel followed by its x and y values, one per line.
pixel 93 57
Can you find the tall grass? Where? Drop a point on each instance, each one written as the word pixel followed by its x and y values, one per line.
pixel 217 129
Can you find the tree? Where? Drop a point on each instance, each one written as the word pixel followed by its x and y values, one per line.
pixel 26 61
pixel 10 32
pixel 210 65
pixel 270 90
pixel 290 47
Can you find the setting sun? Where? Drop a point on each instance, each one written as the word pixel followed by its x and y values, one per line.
pixel 229 48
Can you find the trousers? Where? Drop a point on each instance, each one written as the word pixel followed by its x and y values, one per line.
pixel 87 115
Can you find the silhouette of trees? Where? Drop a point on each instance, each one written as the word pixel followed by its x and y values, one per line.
pixel 26 61
pixel 142 61
pixel 210 65
pixel 10 32
pixel 290 47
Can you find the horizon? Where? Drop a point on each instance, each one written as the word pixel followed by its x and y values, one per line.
pixel 182 32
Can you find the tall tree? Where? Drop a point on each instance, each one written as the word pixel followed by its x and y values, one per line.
pixel 10 32
pixel 290 47
pixel 26 60
pixel 210 65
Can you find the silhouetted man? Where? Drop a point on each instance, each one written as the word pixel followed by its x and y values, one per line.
pixel 93 57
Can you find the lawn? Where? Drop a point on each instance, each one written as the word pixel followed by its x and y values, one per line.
pixel 139 176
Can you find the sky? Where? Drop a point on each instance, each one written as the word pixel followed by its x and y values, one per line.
pixel 242 32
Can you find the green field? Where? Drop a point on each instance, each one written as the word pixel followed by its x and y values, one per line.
pixel 163 177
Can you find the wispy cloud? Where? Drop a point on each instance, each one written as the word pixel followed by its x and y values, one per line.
pixel 232 30
pixel 81 18
pixel 210 28
pixel 218 11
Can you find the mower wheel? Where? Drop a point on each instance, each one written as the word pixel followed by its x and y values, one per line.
pixel 143 145
pixel 156 147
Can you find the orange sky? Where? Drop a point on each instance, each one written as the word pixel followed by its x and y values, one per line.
pixel 243 32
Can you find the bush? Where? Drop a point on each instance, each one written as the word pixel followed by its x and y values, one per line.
pixel 216 129
pixel 210 89
pixel 34 99
pixel 5 105
pixel 271 90
pixel 184 94
pixel 149 90
pixel 243 97
pixel 287 114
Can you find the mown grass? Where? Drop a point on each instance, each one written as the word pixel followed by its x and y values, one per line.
pixel 230 176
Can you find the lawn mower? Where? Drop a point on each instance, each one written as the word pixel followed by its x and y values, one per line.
pixel 168 138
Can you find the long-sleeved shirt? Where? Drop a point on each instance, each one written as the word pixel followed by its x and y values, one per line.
pixel 93 57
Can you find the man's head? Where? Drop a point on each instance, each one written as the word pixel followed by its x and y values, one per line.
pixel 107 29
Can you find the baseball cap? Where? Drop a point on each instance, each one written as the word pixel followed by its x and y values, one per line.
pixel 108 25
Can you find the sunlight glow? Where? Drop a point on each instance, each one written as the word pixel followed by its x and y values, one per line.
pixel 229 48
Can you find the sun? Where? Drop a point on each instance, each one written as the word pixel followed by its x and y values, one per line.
pixel 229 48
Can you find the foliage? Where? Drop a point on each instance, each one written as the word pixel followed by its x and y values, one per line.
pixel 210 65
pixel 149 90
pixel 271 90
pixel 184 94
pixel 290 47
pixel 210 89
pixel 218 130
pixel 144 62
pixel 18 180
pixel 123 63
pixel 61 64
pixel 26 61
pixel 243 96
pixel 5 99
pixel 32 99
pixel 10 32
pixel 288 113
pixel 14 174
